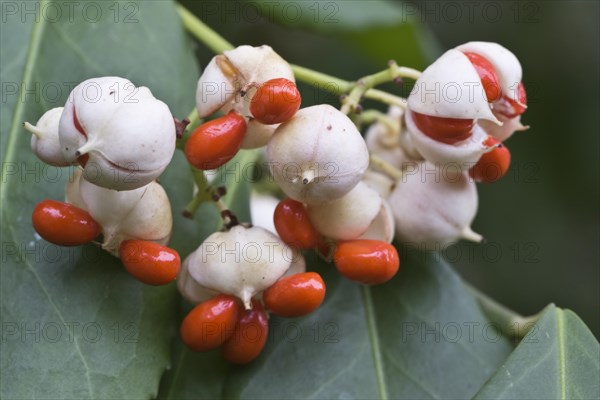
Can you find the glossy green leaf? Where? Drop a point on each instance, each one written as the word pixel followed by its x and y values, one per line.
pixel 381 29
pixel 327 16
pixel 559 358
pixel 74 324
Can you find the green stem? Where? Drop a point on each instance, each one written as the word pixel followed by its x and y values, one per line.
pixel 332 84
pixel 510 323
pixel 203 32
pixel 203 194
pixel 393 125
pixel 322 81
pixel 338 87
pixel 386 167
pixel 371 116
pixel 385 97
pixel 364 84
pixel 194 121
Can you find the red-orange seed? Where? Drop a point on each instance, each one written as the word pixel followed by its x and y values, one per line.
pixel 215 142
pixel 445 130
pixel 249 337
pixel 295 295
pixel 491 166
pixel 149 262
pixel 293 225
pixel 367 261
pixel 488 76
pixel 64 224
pixel 210 323
pixel 276 101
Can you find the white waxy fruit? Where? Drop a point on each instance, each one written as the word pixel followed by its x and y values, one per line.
pixel 385 135
pixel 44 141
pixel 450 88
pixel 259 64
pixel 143 213
pixel 241 262
pixel 257 134
pixel 466 152
pixel 297 266
pixel 507 66
pixel 72 195
pixel 217 86
pixel 385 144
pixel 397 155
pixel 508 128
pixel 391 142
pixel 349 216
pixel 383 226
pixel 228 76
pixel 379 182
pixel 408 147
pixel 191 290
pixel 122 134
pixel 434 207
pixel 262 208
pixel 195 293
pixel 317 156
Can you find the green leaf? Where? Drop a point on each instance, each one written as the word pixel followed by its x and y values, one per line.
pixel 332 16
pixel 559 358
pixel 380 29
pixel 409 44
pixel 74 324
pixel 194 375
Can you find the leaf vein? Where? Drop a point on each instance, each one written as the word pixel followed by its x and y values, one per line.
pixel 561 352
pixel 60 316
pixel 374 339
pixel 431 325
pixel 333 378
pixel 32 53
pixel 404 372
pixel 71 45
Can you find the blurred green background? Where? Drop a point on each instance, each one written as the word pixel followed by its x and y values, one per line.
pixel 542 219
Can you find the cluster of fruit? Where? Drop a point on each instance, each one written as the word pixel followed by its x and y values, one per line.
pixel 449 136
pixel 235 277
pixel 122 138
pixel 261 104
pixel 338 203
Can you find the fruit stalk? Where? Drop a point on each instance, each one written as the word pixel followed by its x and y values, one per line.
pixel 364 84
